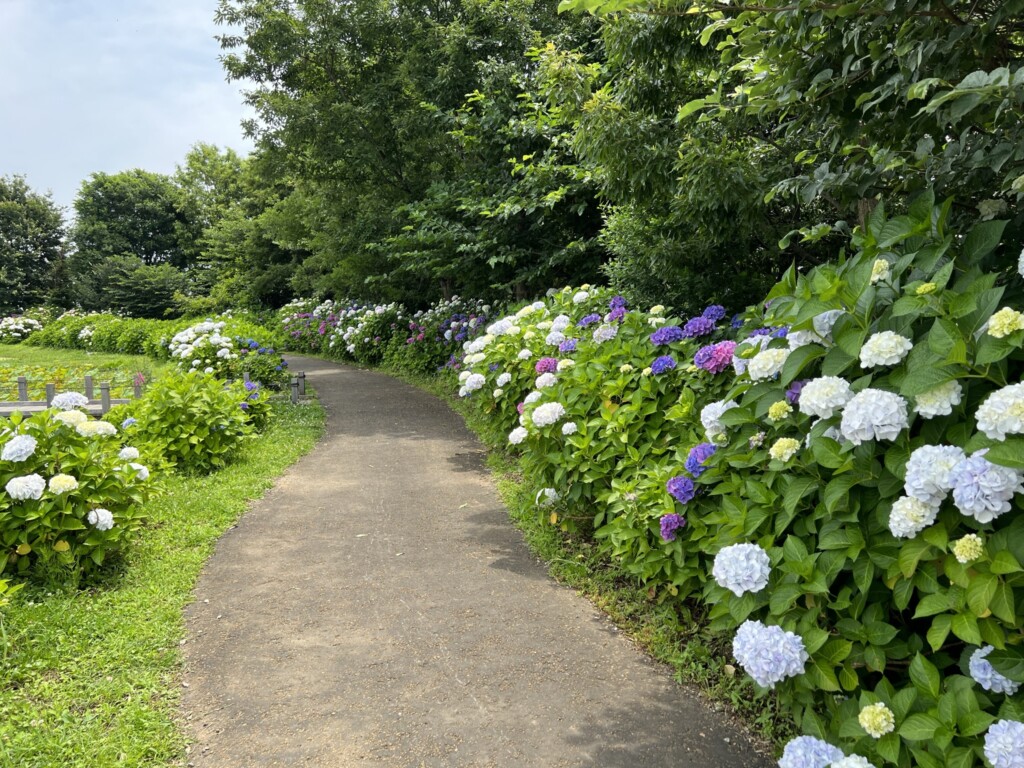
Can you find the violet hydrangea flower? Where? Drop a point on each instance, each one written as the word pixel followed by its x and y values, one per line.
pixel 698 455
pixel 569 345
pixel 615 315
pixel 662 364
pixel 809 752
pixel 546 365
pixel 670 524
pixel 589 320
pixel 617 302
pixel 698 326
pixel 793 393
pixel 667 334
pixel 681 488
pixel 768 653
pixel 714 313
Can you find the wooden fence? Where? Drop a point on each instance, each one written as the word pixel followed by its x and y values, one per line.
pixel 96 406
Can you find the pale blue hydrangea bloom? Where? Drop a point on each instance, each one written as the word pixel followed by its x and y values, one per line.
pixel 982 489
pixel 19 448
pixel 68 400
pixel 929 472
pixel 769 654
pixel 742 568
pixel 809 752
pixel 1004 744
pixel 985 675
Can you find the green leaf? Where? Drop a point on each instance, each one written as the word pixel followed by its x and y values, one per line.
pixel 919 727
pixel 982 240
pixel 925 676
pixel 1004 562
pixel 910 555
pixel 939 630
pixel 1008 453
pixel 1008 662
pixel 965 626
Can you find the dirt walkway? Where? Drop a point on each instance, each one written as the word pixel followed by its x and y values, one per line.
pixel 378 609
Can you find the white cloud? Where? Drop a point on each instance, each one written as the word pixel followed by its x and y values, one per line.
pixel 106 85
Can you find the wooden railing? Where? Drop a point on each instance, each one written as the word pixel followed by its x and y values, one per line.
pixel 96 406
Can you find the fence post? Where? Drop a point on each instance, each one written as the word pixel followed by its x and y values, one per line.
pixel 22 388
pixel 245 376
pixel 295 390
pixel 137 390
pixel 51 392
pixel 88 387
pixel 104 397
pixel 302 383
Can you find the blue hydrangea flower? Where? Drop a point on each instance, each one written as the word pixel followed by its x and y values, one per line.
pixel 714 313
pixel 698 326
pixel 662 364
pixel 130 421
pixel 617 302
pixel 19 448
pixel 737 321
pixel 681 488
pixel 697 456
pixel 982 489
pixel 780 332
pixel 589 320
pixel 667 334
pixel 1004 744
pixel 742 568
pixel 569 345
pixel 670 524
pixel 809 752
pixel 769 654
pixel 985 675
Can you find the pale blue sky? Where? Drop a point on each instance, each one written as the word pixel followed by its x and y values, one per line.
pixel 107 85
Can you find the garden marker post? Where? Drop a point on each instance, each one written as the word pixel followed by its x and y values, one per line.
pixel 295 390
pixel 88 387
pixel 22 388
pixel 104 397
pixel 51 392
pixel 302 383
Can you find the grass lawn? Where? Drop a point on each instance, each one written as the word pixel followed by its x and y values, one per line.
pixel 67 368
pixel 90 675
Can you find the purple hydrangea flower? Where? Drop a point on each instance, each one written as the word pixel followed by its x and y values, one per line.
pixel 780 332
pixel 569 345
pixel 589 320
pixel 764 331
pixel 715 357
pixel 617 302
pixel 681 489
pixel 698 455
pixel 670 524
pixel 616 315
pixel 546 365
pixel 662 364
pixel 714 313
pixel 698 326
pixel 737 321
pixel 793 393
pixel 667 334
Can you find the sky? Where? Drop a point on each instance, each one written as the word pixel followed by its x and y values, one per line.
pixel 109 85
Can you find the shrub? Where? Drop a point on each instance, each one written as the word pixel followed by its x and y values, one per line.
pixel 17 329
pixel 432 337
pixel 68 494
pixel 194 420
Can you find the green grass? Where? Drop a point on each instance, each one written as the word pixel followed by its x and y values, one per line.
pixel 67 369
pixel 671 631
pixel 91 675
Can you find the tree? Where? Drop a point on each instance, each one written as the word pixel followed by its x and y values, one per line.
pixel 31 244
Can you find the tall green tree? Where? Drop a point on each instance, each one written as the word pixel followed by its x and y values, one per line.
pixel 31 245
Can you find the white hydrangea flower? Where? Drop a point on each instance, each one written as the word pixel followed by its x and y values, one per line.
pixel 564 365
pixel 498 328
pixel 464 375
pixel 1002 413
pixel 767 363
pixel 548 414
pixel 517 435
pixel 524 354
pixel 939 401
pixel 497 393
pixel 60 484
pixel 1004 744
pixel 538 306
pixel 475 381
pixel 881 270
pixel 809 752
pixel 569 428
pixel 985 675
pixel 141 469
pixel 580 297
pixel 605 332
pixel 533 397
pixel 884 348
pixel 101 519
pixel 742 568
pixel 784 449
pixel 479 357
pixel 910 516
pixel 799 339
pixel 71 418
pixel 711 415
pixel 18 448
pixel 877 720
pixel 852 761
pixel 821 397
pixel 546 380
pixel 740 358
pixel 69 400
pixel 95 429
pixel 544 325
pixel 560 323
pixel 504 379
pixel 128 454
pixel 873 414
pixel 929 472
pixel 26 487
pixel 769 654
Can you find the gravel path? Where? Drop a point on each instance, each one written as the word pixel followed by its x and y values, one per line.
pixel 378 609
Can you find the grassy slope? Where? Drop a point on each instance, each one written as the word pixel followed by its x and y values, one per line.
pixel 91 676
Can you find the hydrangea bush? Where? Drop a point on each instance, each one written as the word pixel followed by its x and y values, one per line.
pixel 72 492
pixel 835 475
pixel 16 329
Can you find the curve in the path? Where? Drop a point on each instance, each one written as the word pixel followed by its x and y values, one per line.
pixel 376 608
